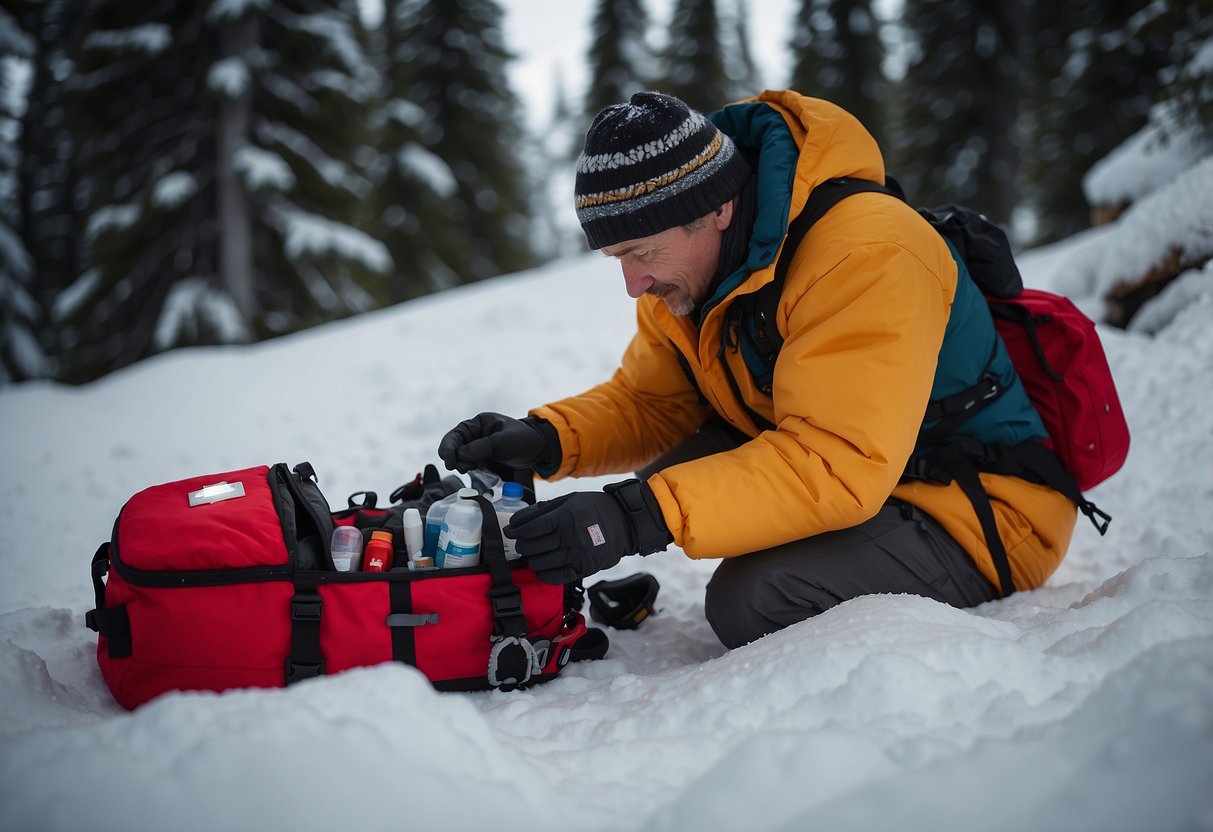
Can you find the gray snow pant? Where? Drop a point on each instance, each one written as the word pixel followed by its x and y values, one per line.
pixel 900 550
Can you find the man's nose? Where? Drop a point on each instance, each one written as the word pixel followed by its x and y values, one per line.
pixel 637 279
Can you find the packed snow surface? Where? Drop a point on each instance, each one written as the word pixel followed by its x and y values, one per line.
pixel 1087 704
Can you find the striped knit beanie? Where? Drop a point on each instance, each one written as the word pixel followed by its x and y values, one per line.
pixel 652 164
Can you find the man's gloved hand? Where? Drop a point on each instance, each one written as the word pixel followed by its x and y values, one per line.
pixel 586 531
pixel 519 443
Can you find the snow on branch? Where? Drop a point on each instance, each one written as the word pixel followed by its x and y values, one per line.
pixel 13 41
pixel 150 39
pixel 339 39
pixel 70 299
pixel 429 168
pixel 333 172
pixel 111 218
pixel 223 11
pixel 14 257
pixel 172 190
pixel 191 299
pixel 260 168
pixel 229 77
pixel 310 235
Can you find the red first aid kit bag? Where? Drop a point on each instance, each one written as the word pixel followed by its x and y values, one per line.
pixel 226 581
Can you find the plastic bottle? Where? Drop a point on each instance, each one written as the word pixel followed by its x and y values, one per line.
pixel 433 523
pixel 459 542
pixel 510 502
pixel 346 548
pixel 378 555
pixel 414 533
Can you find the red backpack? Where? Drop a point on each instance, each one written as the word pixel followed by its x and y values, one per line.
pixel 1057 353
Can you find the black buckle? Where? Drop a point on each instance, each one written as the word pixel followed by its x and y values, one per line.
pixel 506 601
pixel 298 671
pixel 306 606
pixel 920 468
pixel 511 662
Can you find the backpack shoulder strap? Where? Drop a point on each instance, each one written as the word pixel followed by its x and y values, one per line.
pixel 822 198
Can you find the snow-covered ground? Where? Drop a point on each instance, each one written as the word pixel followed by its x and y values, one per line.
pixel 1087 704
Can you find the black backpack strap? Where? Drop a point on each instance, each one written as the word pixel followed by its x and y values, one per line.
pixel 961 458
pixel 766 300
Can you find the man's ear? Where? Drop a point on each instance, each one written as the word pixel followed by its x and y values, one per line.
pixel 722 217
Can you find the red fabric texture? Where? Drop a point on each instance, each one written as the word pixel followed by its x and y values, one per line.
pixel 198 638
pixel 458 646
pixel 230 534
pixel 1082 412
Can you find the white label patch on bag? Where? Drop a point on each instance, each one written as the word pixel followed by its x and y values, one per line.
pixel 216 493
pixel 596 535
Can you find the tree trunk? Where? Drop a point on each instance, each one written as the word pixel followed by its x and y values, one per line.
pixel 237 274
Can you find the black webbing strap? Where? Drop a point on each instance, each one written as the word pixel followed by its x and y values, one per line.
pixel 1020 314
pixel 821 199
pixel 111 622
pixel 305 660
pixel 970 483
pixel 401 621
pixel 504 596
pixel 958 461
pixel 512 660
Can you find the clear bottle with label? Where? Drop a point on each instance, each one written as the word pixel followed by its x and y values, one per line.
pixel 510 502
pixel 346 548
pixel 434 517
pixel 459 540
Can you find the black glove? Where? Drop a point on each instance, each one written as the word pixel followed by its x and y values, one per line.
pixel 586 531
pixel 486 437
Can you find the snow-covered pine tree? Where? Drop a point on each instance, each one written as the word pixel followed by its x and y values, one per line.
pixel 216 143
pixel 838 55
pixel 955 112
pixel 619 60
pixel 693 59
pixel 452 64
pixel 1095 74
pixel 22 356
pixel 414 187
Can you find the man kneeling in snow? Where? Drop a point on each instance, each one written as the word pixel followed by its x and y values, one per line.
pixel 798 485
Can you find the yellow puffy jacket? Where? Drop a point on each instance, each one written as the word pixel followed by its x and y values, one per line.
pixel 863 314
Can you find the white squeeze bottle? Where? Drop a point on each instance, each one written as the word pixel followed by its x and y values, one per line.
pixel 459 541
pixel 510 502
pixel 413 533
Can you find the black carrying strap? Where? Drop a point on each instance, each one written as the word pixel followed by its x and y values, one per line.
pixel 111 622
pixel 954 462
pixel 962 458
pixel 305 660
pixel 512 660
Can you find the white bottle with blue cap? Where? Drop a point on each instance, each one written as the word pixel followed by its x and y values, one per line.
pixel 510 502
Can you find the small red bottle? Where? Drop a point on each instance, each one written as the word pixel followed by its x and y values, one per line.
pixel 378 554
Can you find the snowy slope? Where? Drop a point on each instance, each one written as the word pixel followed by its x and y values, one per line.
pixel 1087 704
